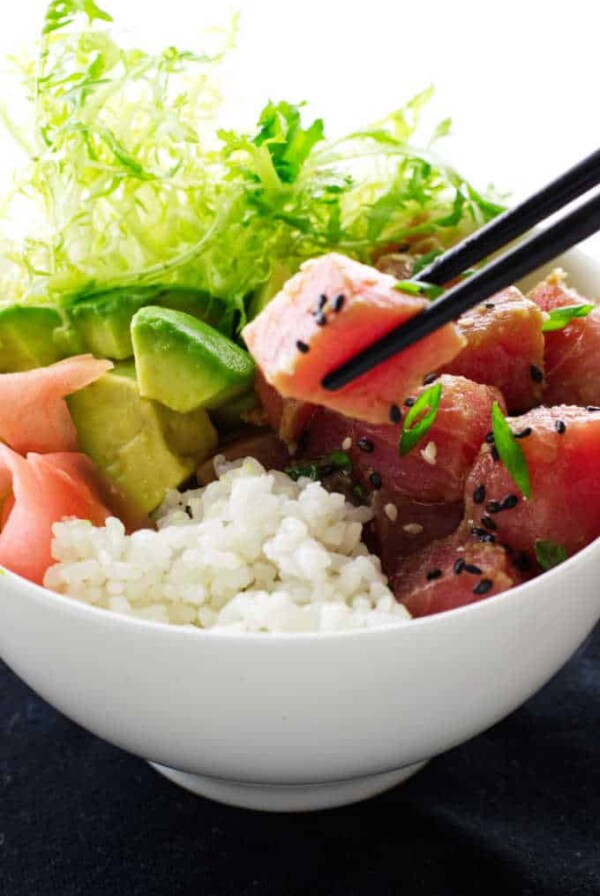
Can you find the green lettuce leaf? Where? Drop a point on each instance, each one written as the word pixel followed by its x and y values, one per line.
pixel 131 183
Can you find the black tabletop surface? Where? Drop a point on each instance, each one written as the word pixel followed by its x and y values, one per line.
pixel 516 810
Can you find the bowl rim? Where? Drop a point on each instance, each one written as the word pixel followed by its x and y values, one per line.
pixel 70 605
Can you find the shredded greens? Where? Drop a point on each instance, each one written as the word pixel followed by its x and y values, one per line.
pixel 132 182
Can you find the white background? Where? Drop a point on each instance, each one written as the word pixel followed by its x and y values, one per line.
pixel 521 80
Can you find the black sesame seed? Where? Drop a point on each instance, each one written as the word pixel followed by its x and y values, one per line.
pixel 434 574
pixel 408 402
pixel 322 300
pixel 494 453
pixel 560 426
pixel 459 565
pixel 489 438
pixel 338 302
pixel 429 379
pixel 483 586
pixel 472 569
pixel 365 445
pixel 524 433
pixel 320 319
pixel 483 534
pixel 302 347
pixel 375 480
pixel 537 375
pixel 509 502
pixel 592 408
pixel 493 506
pixel 489 305
pixel 479 494
pixel 395 414
pixel 489 523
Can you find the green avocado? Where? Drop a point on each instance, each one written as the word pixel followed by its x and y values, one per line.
pixel 228 418
pixel 28 337
pixel 103 320
pixel 186 364
pixel 145 448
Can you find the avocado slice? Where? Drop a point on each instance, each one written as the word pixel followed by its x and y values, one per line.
pixel 28 337
pixel 280 274
pixel 184 363
pixel 103 320
pixel 145 448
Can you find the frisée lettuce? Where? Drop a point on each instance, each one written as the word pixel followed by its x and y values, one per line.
pixel 131 182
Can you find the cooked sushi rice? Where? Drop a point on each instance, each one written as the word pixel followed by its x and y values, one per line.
pixel 252 551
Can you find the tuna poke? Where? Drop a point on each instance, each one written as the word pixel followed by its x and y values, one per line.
pixel 167 450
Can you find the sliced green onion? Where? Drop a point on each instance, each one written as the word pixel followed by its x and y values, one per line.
pixel 339 460
pixel 550 554
pixel 510 452
pixel 422 414
pixel 423 290
pixel 559 318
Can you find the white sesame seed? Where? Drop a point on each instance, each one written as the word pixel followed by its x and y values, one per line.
pixel 413 528
pixel 347 443
pixel 391 511
pixel 429 453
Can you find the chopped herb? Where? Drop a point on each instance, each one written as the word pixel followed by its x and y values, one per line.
pixel 559 318
pixel 509 451
pixel 359 493
pixel 339 460
pixel 420 418
pixel 549 553
pixel 310 471
pixel 425 260
pixel 419 288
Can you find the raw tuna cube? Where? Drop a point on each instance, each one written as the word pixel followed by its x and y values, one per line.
pixel 562 451
pixel 327 313
pixel 435 470
pixel 505 348
pixel 451 573
pixel 572 355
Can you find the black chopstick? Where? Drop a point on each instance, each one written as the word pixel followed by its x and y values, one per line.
pixel 515 222
pixel 500 273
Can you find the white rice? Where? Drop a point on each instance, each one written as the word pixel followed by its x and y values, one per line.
pixel 253 551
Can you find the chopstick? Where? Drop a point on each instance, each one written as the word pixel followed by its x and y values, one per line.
pixel 514 222
pixel 500 273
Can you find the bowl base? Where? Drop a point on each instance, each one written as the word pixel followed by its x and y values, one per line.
pixel 288 797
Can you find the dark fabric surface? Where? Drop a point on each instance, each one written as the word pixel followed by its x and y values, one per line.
pixel 516 810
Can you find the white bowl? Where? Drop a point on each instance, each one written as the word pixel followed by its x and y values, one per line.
pixel 297 722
